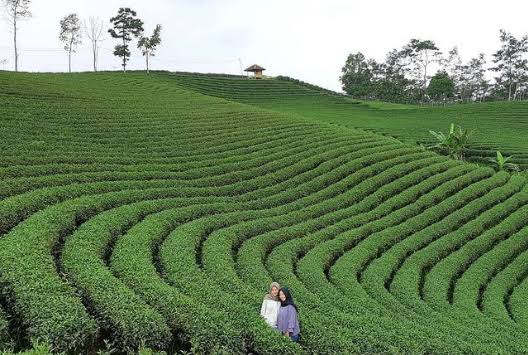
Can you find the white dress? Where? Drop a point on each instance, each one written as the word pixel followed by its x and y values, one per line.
pixel 270 312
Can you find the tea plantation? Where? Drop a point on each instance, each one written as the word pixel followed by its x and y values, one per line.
pixel 135 211
pixel 494 125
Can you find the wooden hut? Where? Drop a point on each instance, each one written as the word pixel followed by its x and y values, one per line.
pixel 256 70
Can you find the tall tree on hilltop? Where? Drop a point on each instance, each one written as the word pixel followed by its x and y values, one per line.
pixel 356 75
pixel 148 45
pixel 94 31
pixel 70 35
pixel 511 63
pixel 16 10
pixel 126 24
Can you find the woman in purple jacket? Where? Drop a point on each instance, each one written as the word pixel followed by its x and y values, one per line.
pixel 287 321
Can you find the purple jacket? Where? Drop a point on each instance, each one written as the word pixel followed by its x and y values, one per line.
pixel 287 320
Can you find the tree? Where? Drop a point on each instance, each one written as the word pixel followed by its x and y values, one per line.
pixel 148 45
pixel 126 24
pixel 367 78
pixel 396 86
pixel 510 62
pixel 94 31
pixel 70 35
pixel 453 66
pixel 16 11
pixel 421 54
pixel 356 75
pixel 476 77
pixel 473 84
pixel 441 87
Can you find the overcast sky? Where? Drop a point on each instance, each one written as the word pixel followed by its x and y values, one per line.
pixel 305 39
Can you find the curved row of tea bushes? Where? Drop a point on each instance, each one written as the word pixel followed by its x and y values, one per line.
pixel 186 254
pixel 74 243
pixel 277 258
pixel 183 254
pixel 496 297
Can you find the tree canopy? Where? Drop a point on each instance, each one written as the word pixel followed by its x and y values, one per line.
pixel 126 26
pixel 441 87
pixel 70 34
pixel 404 74
pixel 148 45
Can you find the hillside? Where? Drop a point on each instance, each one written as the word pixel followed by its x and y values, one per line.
pixel 495 126
pixel 134 211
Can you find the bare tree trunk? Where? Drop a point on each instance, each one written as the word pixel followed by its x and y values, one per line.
pixel 148 71
pixel 426 63
pixel 124 56
pixel 15 41
pixel 509 90
pixel 69 56
pixel 94 47
pixel 93 28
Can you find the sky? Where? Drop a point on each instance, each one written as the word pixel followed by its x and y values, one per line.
pixel 305 39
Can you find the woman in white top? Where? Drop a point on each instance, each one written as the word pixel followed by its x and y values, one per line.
pixel 270 305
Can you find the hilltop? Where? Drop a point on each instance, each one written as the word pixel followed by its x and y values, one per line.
pixel 494 125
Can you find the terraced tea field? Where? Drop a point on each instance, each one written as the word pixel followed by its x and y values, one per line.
pixel 496 126
pixel 137 212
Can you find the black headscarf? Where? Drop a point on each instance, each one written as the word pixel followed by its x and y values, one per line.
pixel 289 298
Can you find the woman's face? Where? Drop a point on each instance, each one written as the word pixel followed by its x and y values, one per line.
pixel 274 291
pixel 282 296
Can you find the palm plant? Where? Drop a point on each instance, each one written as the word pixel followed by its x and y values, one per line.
pixel 503 163
pixel 455 143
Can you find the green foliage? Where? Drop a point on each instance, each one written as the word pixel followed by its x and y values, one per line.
pixel 511 64
pixel 148 45
pixel 356 76
pixel 455 142
pixel 70 34
pixel 441 87
pixel 126 26
pixel 503 163
pixel 404 75
pixel 5 341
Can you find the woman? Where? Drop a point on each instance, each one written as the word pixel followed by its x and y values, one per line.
pixel 270 305
pixel 288 322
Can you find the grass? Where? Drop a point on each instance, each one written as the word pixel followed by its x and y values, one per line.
pixel 137 212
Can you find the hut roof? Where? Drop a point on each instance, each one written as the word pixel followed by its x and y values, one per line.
pixel 254 68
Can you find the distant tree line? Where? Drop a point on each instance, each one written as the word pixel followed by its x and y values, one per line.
pixel 404 76
pixel 125 27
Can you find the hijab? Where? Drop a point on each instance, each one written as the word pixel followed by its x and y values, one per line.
pixel 289 298
pixel 269 296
